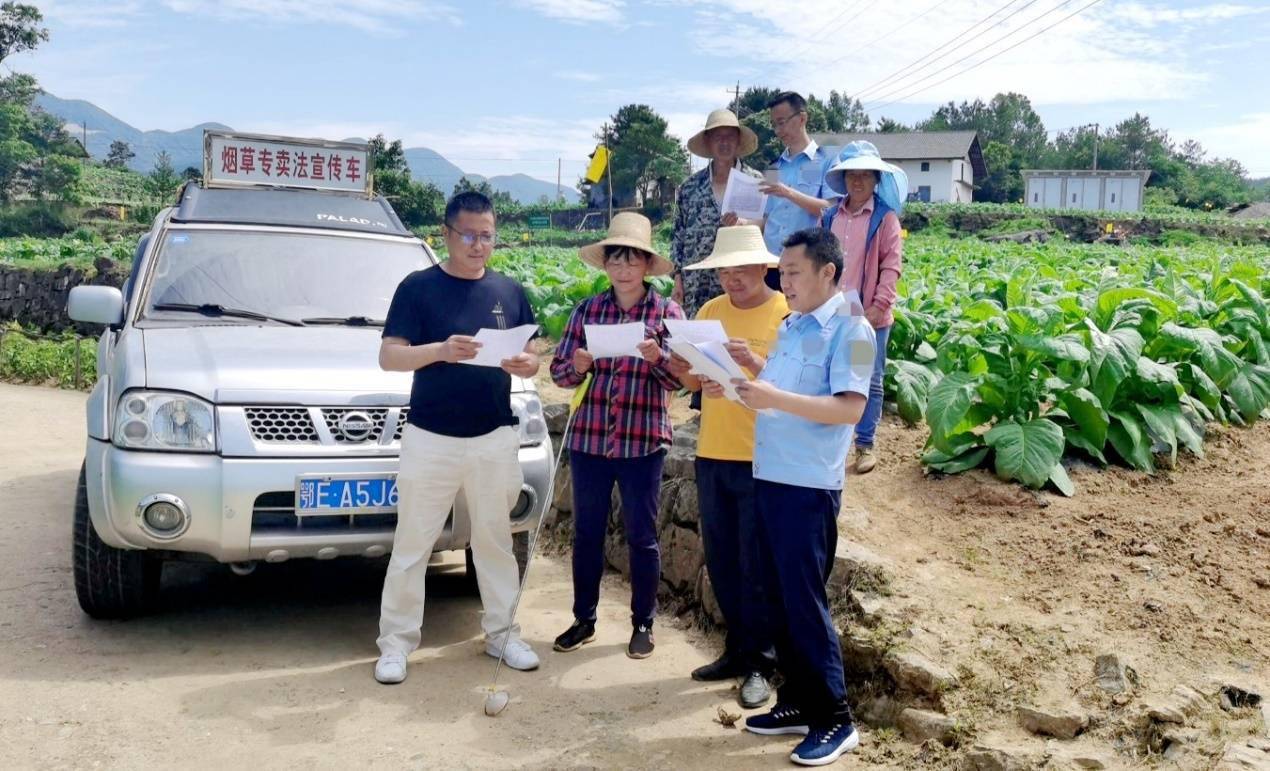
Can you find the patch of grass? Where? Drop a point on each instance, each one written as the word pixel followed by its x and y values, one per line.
pixel 1020 225
pixel 46 360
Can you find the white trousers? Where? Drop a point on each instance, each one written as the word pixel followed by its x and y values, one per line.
pixel 434 470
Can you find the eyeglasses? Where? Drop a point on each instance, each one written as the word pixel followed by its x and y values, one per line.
pixel 779 123
pixel 484 239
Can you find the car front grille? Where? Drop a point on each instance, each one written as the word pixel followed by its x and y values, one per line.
pixel 339 425
pixel 293 425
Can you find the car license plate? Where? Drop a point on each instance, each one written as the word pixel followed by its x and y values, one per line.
pixel 341 495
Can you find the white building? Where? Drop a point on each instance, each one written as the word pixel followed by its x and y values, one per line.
pixel 1109 190
pixel 941 165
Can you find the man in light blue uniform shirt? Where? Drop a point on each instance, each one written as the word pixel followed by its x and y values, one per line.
pixel 811 392
pixel 797 200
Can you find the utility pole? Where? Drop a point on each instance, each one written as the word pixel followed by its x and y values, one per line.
pixel 736 98
pixel 84 134
pixel 1096 128
pixel 558 194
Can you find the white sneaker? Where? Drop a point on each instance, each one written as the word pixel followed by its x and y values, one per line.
pixel 518 656
pixel 391 668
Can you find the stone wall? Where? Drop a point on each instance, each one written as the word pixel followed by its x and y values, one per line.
pixel 36 297
pixel 886 677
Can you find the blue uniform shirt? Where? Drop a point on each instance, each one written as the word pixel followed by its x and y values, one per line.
pixel 805 173
pixel 822 353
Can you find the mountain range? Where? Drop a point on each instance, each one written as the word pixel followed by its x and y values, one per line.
pixel 185 147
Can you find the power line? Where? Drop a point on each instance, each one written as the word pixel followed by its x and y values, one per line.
pixel 888 33
pixel 955 38
pixel 830 28
pixel 946 67
pixel 993 56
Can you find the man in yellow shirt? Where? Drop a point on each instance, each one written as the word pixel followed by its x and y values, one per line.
pixel 751 312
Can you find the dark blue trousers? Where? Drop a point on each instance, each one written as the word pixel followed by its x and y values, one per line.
pixel 730 532
pixel 800 533
pixel 638 483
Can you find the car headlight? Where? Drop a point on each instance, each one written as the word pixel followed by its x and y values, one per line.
pixel 530 421
pixel 149 420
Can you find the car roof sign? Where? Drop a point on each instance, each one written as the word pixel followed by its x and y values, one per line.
pixel 234 159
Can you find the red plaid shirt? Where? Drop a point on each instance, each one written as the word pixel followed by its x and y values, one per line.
pixel 623 415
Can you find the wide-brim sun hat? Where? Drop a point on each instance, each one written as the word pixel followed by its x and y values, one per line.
pixel 698 146
pixel 735 247
pixel 864 156
pixel 630 230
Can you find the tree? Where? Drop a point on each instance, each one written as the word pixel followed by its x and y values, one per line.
pixel 387 156
pixel 417 204
pixel 163 179
pixel 1007 120
pixel 500 198
pixel 842 113
pixel 192 174
pixel 20 29
pixel 1004 183
pixel 645 161
pixel 891 126
pixel 119 155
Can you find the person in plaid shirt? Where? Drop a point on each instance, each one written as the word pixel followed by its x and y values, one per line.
pixel 621 429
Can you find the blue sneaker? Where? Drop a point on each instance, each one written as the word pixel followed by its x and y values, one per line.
pixel 781 719
pixel 825 744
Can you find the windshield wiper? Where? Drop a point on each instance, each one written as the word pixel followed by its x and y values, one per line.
pixel 218 310
pixel 350 321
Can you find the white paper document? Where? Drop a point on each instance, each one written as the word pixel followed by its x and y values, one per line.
pixel 700 331
pixel 499 344
pixel 710 359
pixel 608 341
pixel 742 196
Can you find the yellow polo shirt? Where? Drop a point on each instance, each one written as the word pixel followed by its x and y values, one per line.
pixel 727 428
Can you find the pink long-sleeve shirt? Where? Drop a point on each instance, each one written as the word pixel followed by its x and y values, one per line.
pixel 880 266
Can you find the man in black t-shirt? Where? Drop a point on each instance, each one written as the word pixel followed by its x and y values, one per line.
pixel 461 437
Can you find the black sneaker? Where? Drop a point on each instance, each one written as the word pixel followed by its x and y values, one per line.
pixel 781 719
pixel 825 744
pixel 721 668
pixel 641 646
pixel 581 633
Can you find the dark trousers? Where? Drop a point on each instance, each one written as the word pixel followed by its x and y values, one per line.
pixel 639 485
pixel 800 533
pixel 730 532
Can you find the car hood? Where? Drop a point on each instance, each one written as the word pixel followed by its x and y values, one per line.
pixel 238 363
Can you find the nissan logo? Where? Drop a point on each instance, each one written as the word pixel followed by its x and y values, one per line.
pixel 355 426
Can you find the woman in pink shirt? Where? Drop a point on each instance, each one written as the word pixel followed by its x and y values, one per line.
pixel 867 224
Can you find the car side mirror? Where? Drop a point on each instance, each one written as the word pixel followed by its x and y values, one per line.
pixel 96 305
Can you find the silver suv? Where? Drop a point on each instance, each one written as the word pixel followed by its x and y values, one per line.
pixel 240 413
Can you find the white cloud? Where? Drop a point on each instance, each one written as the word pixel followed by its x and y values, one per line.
pixel 1244 140
pixel 380 16
pixel 1105 54
pixel 579 11
pixel 76 13
pixel 578 75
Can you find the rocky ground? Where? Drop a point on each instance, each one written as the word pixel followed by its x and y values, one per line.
pixel 989 626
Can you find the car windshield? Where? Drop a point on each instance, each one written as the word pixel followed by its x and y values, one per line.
pixel 233 274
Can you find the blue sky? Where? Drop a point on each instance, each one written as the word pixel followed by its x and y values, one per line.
pixel 509 86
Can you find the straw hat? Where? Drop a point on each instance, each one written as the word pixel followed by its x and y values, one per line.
pixel 632 230
pixel 736 246
pixel 718 119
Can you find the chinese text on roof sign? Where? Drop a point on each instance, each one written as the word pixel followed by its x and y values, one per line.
pixel 231 159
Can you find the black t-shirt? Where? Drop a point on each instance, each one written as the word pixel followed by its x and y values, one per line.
pixel 430 305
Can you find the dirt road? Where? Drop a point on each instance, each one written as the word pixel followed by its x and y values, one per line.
pixel 274 669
